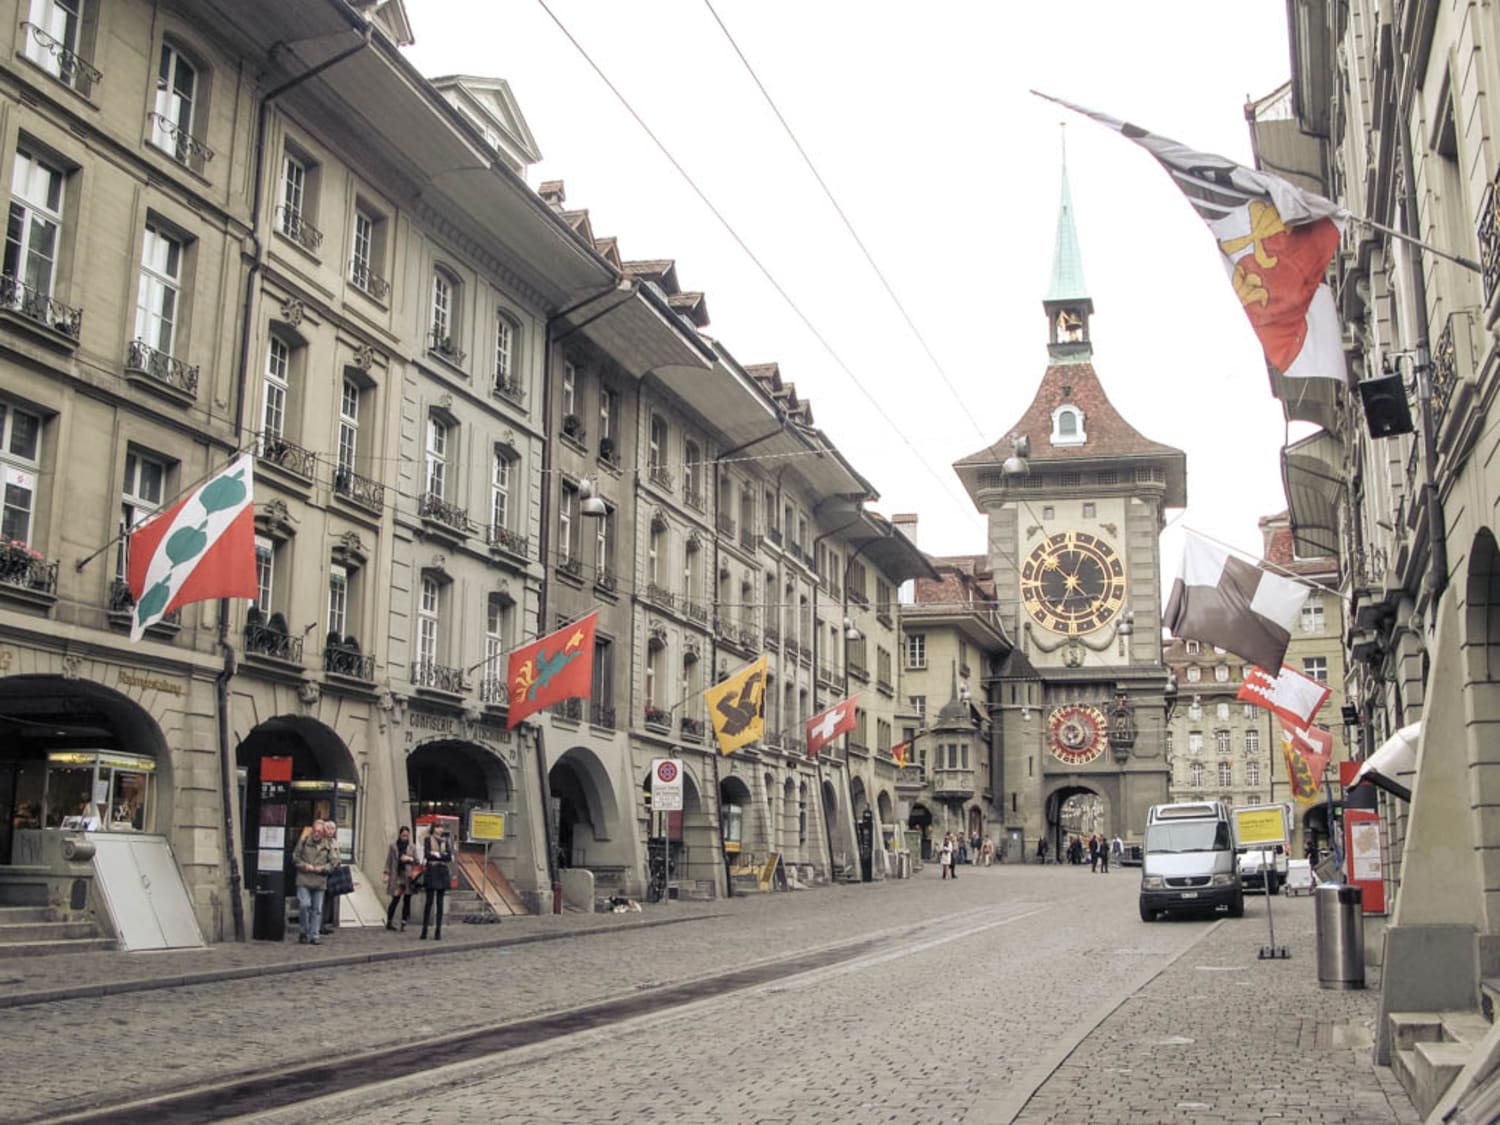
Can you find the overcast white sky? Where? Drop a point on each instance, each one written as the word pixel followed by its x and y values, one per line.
pixel 918 116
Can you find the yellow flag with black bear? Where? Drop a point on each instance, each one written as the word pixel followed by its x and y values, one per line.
pixel 737 707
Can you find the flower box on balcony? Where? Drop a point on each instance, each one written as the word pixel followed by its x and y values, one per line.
pixel 658 719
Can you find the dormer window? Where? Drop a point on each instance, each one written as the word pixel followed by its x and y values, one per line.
pixel 1067 426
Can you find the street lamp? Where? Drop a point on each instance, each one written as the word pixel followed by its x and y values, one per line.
pixel 1015 465
pixel 590 503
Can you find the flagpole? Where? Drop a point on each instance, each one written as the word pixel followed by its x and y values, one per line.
pixel 184 491
pixel 1467 263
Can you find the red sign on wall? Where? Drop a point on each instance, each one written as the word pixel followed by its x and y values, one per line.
pixel 1362 856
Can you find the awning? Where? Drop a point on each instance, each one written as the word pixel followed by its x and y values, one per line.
pixel 1312 474
pixel 1393 764
pixel 1319 401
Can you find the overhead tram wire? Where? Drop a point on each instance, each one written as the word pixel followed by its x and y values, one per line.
pixel 868 256
pixel 749 253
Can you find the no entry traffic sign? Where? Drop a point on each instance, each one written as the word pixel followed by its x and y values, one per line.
pixel 666 784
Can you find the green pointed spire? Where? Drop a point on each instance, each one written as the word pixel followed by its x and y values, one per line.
pixel 1067 265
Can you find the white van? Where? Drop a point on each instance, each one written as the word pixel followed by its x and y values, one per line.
pixel 1189 861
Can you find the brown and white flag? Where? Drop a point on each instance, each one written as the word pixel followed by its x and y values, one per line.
pixel 1225 601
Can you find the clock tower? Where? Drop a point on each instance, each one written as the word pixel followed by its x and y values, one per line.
pixel 1076 500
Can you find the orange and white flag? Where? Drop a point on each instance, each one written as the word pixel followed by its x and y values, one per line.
pixel 1276 241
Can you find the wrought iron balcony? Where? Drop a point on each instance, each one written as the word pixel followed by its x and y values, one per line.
pixel 828 674
pixel 441 343
pixel 511 389
pixel 772 636
pixel 174 373
pixel 657 718
pixel 725 524
pixel 692 729
pixel 292 223
pixel 696 611
pixel 661 477
pixel 433 507
pixel 601 715
pixel 605 580
pixel 438 677
pixel 572 567
pixel 345 662
pixel 71 68
pixel 571 709
pixel 857 597
pixel 362 277
pixel 504 539
pixel 794 549
pixel 1488 230
pixel 660 595
pixel 25 569
pixel 122 605
pixel 493 692
pixel 184 147
pixel 359 489
pixel 693 496
pixel 774 535
pixel 263 640
pixel 747 538
pixel 285 454
pixel 33 304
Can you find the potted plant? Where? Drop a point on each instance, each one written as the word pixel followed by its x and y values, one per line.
pixel 607 449
pixel 17 561
pixel 573 426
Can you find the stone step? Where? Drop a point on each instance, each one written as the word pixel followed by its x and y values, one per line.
pixel 1489 998
pixel 44 948
pixel 1464 1027
pixel 1435 1067
pixel 1410 1028
pixel 15 915
pixel 12 933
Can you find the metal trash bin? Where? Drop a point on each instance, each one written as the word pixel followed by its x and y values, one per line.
pixel 1340 917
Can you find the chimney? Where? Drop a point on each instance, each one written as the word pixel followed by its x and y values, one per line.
pixel 906 524
pixel 552 193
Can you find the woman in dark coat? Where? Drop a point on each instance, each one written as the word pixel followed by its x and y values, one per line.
pixel 398 864
pixel 437 855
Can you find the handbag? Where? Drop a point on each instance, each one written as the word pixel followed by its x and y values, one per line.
pixel 341 880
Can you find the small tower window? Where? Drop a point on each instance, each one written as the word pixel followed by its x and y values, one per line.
pixel 1067 426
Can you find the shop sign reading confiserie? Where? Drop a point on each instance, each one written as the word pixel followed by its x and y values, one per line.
pixel 457 726
pixel 149 683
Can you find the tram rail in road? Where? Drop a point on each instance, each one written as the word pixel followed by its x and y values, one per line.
pixel 281 1087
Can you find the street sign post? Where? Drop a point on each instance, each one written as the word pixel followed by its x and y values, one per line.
pixel 666 785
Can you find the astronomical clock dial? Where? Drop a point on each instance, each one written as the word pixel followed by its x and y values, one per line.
pixel 1073 583
pixel 1079 734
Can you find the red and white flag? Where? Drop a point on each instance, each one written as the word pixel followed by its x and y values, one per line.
pixel 827 725
pixel 202 547
pixel 1276 241
pixel 1290 694
pixel 1307 751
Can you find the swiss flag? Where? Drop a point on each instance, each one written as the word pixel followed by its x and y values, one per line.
pixel 1289 694
pixel 558 666
pixel 827 725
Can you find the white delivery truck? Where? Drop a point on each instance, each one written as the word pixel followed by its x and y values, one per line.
pixel 1189 861
pixel 1262 835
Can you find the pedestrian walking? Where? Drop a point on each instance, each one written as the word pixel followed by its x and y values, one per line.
pixel 314 857
pixel 1094 854
pixel 1118 848
pixel 399 860
pixel 437 855
pixel 945 857
pixel 1103 856
pixel 1041 850
pixel 987 851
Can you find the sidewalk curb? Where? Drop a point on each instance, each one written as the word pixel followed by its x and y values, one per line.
pixel 277 968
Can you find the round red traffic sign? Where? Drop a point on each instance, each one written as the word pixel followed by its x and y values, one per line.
pixel 666 771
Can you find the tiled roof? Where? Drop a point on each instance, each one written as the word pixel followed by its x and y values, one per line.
pixel 1109 435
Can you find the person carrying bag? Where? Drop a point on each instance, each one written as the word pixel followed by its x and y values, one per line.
pixel 437 856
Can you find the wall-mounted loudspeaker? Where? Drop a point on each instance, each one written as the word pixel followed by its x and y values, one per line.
pixel 1387 412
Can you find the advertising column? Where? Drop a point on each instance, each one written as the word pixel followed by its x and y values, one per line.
pixel 269 919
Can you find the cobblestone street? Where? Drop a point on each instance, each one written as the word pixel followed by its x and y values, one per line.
pixel 1027 991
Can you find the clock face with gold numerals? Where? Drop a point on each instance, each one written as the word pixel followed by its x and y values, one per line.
pixel 1073 583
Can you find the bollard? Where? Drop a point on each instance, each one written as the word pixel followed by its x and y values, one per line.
pixel 1340 917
